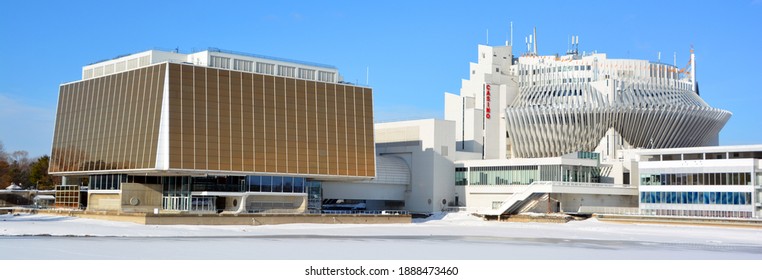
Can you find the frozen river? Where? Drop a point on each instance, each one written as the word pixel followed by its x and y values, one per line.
pixel 455 236
pixel 298 247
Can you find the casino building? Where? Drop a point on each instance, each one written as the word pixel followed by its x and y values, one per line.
pixel 220 131
pixel 211 131
pixel 577 132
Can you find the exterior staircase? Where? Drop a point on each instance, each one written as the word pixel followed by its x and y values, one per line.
pixel 519 200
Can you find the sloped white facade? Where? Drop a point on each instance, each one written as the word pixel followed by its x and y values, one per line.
pixel 566 104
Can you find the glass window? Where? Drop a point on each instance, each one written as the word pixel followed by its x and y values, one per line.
pixel 277 184
pixel 298 185
pixel 326 76
pixel 267 183
pixel 265 68
pixel 286 71
pixel 219 62
pixel 288 185
pixel 243 65
pixel 307 74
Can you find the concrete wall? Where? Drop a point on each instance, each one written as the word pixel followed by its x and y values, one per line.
pixel 432 179
pixel 483 201
pixel 140 197
pixel 228 219
pixel 103 201
pixel 298 203
pixel 363 191
pixel 256 220
pixel 572 202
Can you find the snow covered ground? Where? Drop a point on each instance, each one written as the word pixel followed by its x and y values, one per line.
pixel 454 236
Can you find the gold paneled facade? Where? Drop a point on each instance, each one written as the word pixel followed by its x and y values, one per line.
pixel 218 120
pixel 246 122
pixel 109 123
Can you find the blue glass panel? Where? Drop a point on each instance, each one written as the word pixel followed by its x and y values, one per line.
pixel 288 184
pixel 299 182
pixel 277 184
pixel 267 183
pixel 704 197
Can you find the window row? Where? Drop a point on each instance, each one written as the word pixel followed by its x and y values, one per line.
pixel 266 68
pixel 682 179
pixel 697 213
pixel 721 198
pixel 524 175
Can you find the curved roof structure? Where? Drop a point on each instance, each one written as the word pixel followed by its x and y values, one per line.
pixel 391 170
pixel 567 106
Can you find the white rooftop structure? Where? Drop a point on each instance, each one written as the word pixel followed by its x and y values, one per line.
pixel 218 58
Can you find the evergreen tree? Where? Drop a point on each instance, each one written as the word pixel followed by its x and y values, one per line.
pixel 38 173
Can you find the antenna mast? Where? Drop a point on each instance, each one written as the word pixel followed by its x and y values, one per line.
pixel 535 40
pixel 693 69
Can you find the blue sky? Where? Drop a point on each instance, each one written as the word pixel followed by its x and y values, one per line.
pixel 414 50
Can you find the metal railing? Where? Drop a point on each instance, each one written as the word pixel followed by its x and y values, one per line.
pixel 609 210
pixel 582 184
pixel 328 212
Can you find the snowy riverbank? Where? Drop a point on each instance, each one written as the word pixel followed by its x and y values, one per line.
pixel 441 236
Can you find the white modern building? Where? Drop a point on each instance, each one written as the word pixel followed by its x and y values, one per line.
pixel 574 133
pixel 721 181
pixel 217 58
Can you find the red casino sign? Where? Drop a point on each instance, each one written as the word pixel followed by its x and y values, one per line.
pixel 487 97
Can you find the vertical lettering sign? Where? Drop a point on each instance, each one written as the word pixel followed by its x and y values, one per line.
pixel 487 97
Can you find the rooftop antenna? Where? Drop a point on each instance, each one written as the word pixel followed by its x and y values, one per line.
pixel 576 44
pixel 526 41
pixel 487 37
pixel 693 68
pixel 511 34
pixel 659 57
pixel 674 59
pixel 535 40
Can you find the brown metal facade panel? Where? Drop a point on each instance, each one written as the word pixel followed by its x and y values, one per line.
pixel 369 145
pixel 341 130
pixel 108 123
pixel 247 121
pixel 236 121
pixel 232 121
pixel 219 120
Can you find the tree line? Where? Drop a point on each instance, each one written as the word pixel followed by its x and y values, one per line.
pixel 16 167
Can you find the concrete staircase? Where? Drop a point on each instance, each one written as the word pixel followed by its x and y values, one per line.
pixel 521 200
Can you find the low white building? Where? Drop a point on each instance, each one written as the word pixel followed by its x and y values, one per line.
pixel 721 181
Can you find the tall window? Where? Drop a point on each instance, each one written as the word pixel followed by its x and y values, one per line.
pixel 326 76
pixel 286 71
pixel 308 74
pixel 265 68
pixel 243 65
pixel 219 62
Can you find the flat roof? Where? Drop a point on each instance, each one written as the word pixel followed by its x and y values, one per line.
pixel 708 149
